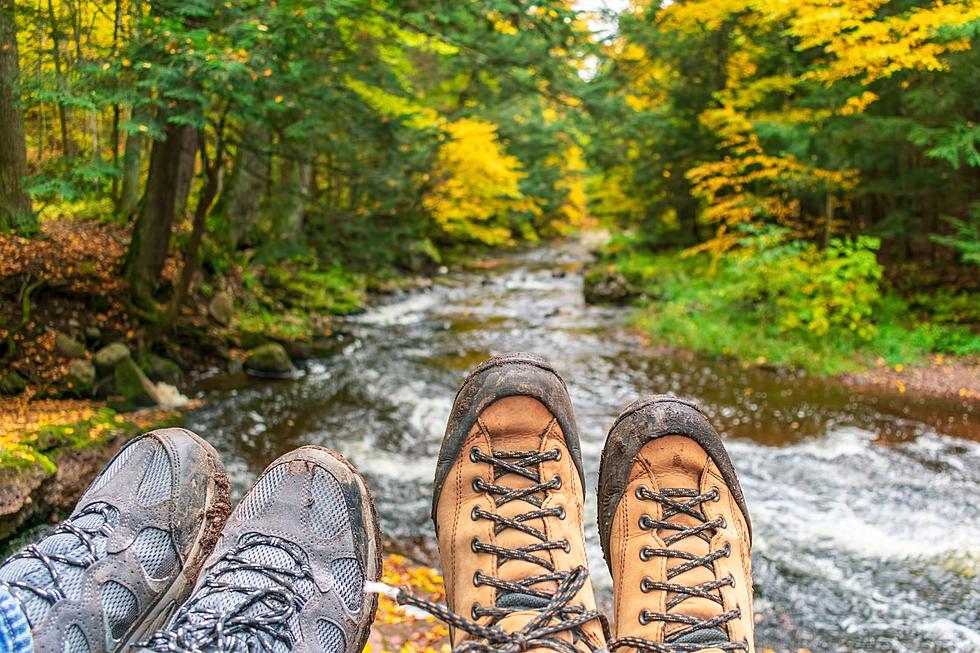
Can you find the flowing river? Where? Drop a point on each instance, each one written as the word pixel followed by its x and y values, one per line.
pixel 866 507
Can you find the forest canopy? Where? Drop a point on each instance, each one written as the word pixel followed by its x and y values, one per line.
pixel 297 153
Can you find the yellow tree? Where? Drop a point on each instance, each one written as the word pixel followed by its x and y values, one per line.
pixel 477 185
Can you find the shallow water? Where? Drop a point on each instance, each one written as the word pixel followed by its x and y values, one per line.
pixel 866 507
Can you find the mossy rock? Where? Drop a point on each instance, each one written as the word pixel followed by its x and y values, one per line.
pixel 132 385
pixel 81 376
pixel 163 369
pixel 602 285
pixel 68 346
pixel 107 358
pixel 221 308
pixel 269 361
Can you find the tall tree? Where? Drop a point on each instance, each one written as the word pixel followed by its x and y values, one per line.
pixel 14 202
pixel 167 186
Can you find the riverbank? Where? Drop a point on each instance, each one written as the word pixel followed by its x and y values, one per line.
pixel 829 313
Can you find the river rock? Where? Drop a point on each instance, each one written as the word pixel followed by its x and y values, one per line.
pixel 12 383
pixel 221 308
pixel 93 333
pixel 133 385
pixel 68 346
pixel 269 361
pixel 111 355
pixel 163 369
pixel 604 286
pixel 81 375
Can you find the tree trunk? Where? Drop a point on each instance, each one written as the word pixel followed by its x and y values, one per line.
pixel 129 195
pixel 295 179
pixel 14 203
pixel 210 190
pixel 242 197
pixel 167 186
pixel 67 146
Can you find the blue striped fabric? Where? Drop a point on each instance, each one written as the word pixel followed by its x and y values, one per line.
pixel 15 632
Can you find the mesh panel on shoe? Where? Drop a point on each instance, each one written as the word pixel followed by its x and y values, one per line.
pixel 156 484
pixel 252 597
pixel 75 641
pixel 120 608
pixel 259 496
pixel 348 581
pixel 155 550
pixel 330 637
pixel 29 570
pixel 328 514
pixel 117 463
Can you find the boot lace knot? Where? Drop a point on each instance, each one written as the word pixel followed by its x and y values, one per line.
pixel 555 612
pixel 249 601
pixel 683 501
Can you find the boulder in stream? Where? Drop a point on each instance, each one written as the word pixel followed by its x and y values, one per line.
pixel 133 386
pixel 269 361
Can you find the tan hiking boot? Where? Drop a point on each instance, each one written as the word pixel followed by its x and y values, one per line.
pixel 508 509
pixel 675 533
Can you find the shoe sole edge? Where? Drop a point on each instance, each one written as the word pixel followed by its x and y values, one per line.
pixel 662 415
pixel 507 375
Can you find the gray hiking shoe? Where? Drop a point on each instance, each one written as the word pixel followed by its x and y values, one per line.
pixel 129 554
pixel 288 573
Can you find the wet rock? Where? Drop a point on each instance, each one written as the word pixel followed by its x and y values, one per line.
pixel 93 333
pixel 221 308
pixel 269 361
pixel 109 356
pixel 81 376
pixel 68 346
pixel 163 369
pixel 605 286
pixel 33 494
pixel 132 385
pixel 12 383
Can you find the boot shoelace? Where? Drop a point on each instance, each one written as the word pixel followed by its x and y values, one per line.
pixel 255 619
pixel 555 614
pixel 689 504
pixel 91 527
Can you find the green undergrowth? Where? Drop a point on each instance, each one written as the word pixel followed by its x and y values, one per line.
pixel 34 437
pixel 293 302
pixel 826 311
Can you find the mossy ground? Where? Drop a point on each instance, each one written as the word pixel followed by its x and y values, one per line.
pixel 687 302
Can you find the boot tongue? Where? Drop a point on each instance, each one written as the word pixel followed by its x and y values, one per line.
pixel 680 463
pixel 509 538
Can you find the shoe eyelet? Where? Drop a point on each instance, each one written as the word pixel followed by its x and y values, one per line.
pixel 645 523
pixel 717 492
pixel 639 492
pixel 644 617
pixel 561 514
pixel 473 544
pixel 557 453
pixel 476 578
pixel 724 522
pixel 477 484
pixel 557 480
pixel 566 546
pixel 645 584
pixel 731 580
pixel 474 452
pixel 473 615
pixel 645 554
pixel 728 550
pixel 473 513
